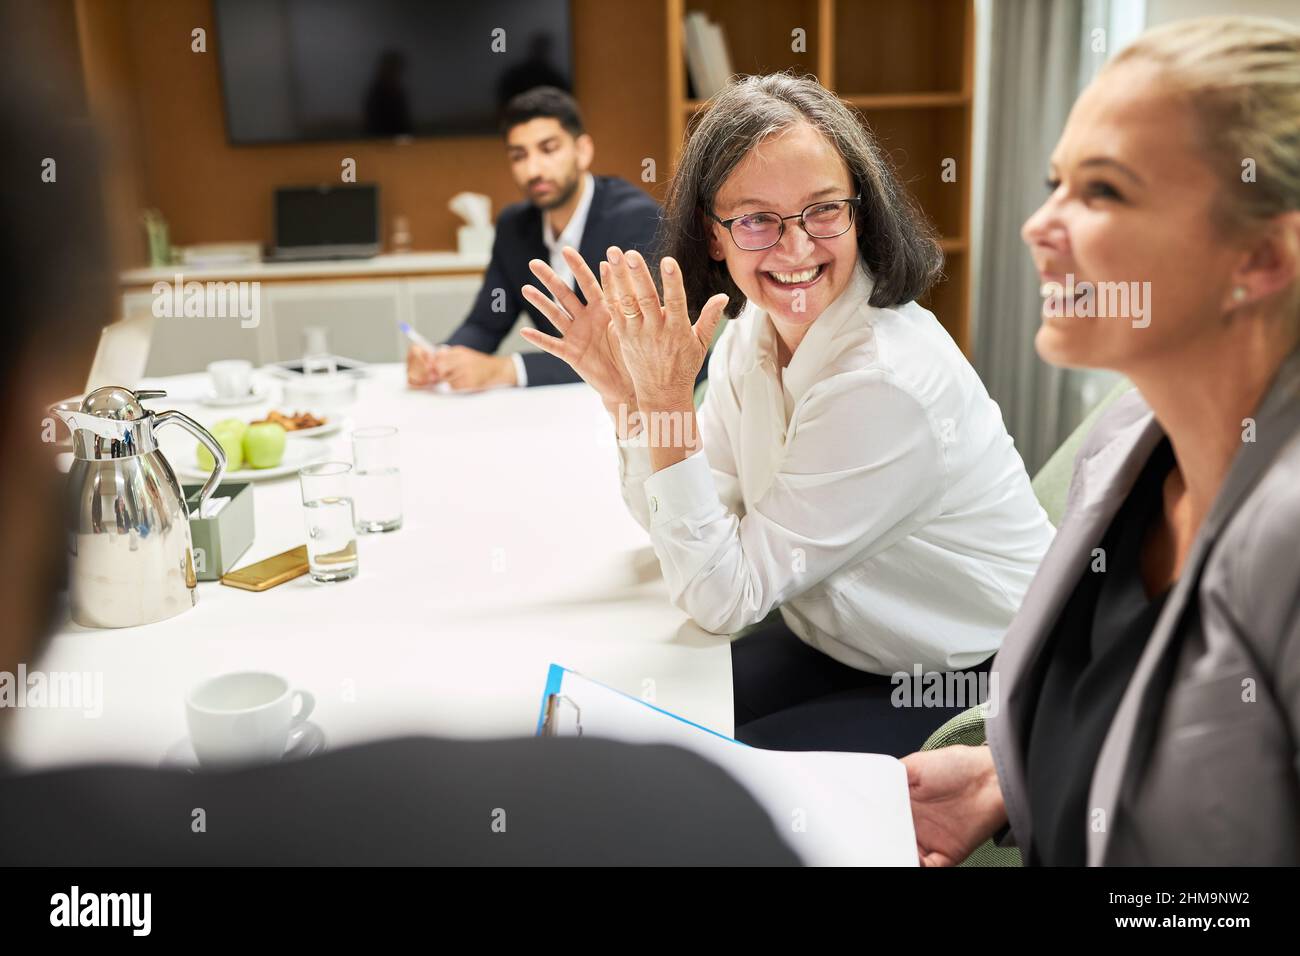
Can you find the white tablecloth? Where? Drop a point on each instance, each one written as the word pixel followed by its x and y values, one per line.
pixel 516 551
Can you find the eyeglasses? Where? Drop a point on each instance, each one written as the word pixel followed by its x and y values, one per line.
pixel 762 230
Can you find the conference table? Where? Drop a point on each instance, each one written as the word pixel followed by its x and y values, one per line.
pixel 516 551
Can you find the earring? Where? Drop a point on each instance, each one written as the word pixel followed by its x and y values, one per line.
pixel 1239 293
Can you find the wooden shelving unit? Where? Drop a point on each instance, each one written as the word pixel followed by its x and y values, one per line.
pixel 906 65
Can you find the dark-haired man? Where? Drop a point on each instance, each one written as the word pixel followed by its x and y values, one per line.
pixel 550 155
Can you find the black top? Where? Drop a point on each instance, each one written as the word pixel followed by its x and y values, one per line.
pixel 620 215
pixel 405 802
pixel 1084 670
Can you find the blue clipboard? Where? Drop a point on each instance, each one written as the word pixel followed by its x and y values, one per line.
pixel 555 705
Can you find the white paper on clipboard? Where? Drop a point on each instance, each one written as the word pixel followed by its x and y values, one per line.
pixel 833 809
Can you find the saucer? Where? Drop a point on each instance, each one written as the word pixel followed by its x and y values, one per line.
pixel 257 394
pixel 305 740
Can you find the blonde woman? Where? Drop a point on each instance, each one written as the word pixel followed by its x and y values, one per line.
pixel 853 471
pixel 1150 706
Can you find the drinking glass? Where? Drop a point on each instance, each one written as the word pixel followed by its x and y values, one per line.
pixel 331 531
pixel 316 357
pixel 378 484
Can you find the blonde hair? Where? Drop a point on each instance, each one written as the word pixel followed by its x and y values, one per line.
pixel 1241 76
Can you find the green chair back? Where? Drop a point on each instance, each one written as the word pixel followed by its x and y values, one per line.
pixel 1053 480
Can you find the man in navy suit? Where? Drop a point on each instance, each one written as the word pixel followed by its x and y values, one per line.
pixel 550 154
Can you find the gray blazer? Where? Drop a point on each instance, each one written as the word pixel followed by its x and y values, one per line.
pixel 1207 771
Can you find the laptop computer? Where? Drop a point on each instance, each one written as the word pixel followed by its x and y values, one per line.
pixel 326 222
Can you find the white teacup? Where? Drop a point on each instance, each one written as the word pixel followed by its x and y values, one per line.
pixel 244 717
pixel 231 378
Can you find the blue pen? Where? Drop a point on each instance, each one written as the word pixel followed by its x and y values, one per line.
pixel 416 337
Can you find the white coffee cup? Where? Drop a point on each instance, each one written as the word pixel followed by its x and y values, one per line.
pixel 244 717
pixel 231 378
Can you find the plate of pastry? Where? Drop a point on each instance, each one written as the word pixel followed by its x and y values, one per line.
pixel 303 424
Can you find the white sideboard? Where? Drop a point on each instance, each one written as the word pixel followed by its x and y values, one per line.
pixel 359 302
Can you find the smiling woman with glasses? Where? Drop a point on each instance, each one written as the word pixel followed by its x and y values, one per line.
pixel 847 466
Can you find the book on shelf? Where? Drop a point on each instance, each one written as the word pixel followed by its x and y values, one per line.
pixel 707 62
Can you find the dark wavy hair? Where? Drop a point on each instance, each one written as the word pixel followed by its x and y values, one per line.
pixel 897 244
pixel 546 102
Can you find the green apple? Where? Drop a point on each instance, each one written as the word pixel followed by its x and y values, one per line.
pixel 233 424
pixel 264 444
pixel 229 434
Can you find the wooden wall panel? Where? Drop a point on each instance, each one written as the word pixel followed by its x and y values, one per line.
pixel 212 191
pixel 99 31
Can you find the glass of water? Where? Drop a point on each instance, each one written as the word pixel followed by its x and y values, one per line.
pixel 378 484
pixel 331 531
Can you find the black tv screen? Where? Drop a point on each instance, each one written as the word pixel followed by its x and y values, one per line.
pixel 298 70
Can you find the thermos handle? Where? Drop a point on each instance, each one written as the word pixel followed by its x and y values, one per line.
pixel 203 435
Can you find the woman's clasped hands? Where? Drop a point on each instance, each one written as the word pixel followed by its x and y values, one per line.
pixel 633 349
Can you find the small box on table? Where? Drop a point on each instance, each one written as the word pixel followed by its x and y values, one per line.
pixel 220 540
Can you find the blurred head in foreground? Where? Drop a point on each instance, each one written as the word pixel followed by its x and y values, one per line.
pixel 53 245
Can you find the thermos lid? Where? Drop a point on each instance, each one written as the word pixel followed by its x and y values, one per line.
pixel 115 402
pixel 111 423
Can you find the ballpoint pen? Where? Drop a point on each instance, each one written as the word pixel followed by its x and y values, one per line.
pixel 416 337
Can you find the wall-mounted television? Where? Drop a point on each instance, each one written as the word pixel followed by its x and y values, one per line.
pixel 303 70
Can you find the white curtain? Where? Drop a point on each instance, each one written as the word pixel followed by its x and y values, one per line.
pixel 1037 56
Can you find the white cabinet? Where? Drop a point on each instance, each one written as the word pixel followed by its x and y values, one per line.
pixel 361 316
pixel 438 306
pixel 187 344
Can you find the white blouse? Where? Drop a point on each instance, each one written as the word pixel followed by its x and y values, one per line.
pixel 869 490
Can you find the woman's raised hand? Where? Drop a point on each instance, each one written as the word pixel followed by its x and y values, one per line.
pixel 587 340
pixel 662 351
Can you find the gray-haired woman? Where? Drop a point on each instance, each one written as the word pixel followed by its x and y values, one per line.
pixel 854 473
